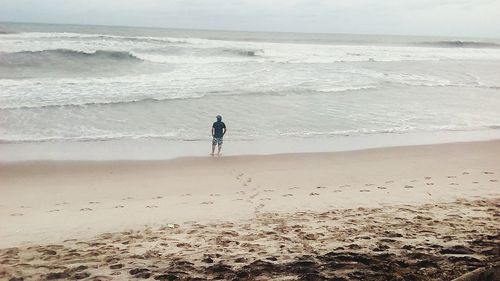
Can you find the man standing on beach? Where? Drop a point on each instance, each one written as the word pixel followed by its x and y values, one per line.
pixel 218 132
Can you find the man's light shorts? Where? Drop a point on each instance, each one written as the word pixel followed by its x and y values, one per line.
pixel 217 141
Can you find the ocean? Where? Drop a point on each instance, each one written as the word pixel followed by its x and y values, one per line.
pixel 70 83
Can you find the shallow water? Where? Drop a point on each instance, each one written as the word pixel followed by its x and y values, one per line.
pixel 81 83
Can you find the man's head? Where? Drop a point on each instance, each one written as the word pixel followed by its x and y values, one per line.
pixel 219 118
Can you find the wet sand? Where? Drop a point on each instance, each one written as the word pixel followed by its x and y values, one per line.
pixel 405 213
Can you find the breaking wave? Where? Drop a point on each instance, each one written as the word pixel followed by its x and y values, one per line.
pixel 63 62
pixel 59 55
pixel 113 100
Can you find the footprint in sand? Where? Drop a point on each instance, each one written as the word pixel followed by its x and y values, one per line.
pixel 157 197
pixel 364 190
pixel 295 187
pixel 239 176
pixel 241 192
pixel 428 178
pixel 265 199
pixel 368 184
pixel 268 190
pixel 430 183
pixel 413 180
pixel 127 198
pixel 465 173
pixel 259 207
pixel 249 179
pixel 207 203
pixel 453 183
pixel 186 194
pixel 62 203
pixel 381 187
pixel 116 266
pixel 16 215
pixel 254 195
pixel 493 180
pixel 409 186
pixel 151 206
pixel 337 190
pixel 287 195
pixel 24 207
pixel 215 194
pixel 54 210
pixel 488 173
pixel 391 181
pixel 313 194
pixel 104 278
pixel 94 202
pixel 321 187
pixel 86 209
pixel 451 177
pixel 475 182
pixel 119 206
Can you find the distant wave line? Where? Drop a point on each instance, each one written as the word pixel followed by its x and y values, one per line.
pixel 192 96
pixel 460 44
pixel 211 94
pixel 196 40
pixel 90 36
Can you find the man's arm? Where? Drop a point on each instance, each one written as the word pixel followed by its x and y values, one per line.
pixel 213 131
pixel 224 131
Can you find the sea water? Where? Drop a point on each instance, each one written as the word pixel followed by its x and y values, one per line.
pixel 68 83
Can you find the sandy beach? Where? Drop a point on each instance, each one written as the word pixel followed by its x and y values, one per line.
pixel 427 212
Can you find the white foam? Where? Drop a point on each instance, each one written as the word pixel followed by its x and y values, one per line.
pixel 271 52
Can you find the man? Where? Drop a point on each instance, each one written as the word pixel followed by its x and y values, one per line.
pixel 218 132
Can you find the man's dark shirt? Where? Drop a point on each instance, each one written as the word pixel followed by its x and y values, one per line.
pixel 218 126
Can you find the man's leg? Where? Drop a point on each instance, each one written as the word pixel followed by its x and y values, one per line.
pixel 219 146
pixel 213 146
pixel 218 149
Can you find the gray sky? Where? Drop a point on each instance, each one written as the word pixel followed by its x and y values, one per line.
pixel 476 18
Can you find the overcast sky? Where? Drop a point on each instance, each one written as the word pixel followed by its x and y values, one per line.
pixel 477 18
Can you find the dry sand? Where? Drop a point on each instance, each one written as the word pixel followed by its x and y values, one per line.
pixel 405 213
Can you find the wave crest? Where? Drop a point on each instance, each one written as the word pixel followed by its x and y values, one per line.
pixel 194 95
pixel 27 57
pixel 63 62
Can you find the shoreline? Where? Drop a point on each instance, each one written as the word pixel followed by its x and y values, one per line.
pixel 239 157
pixel 160 149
